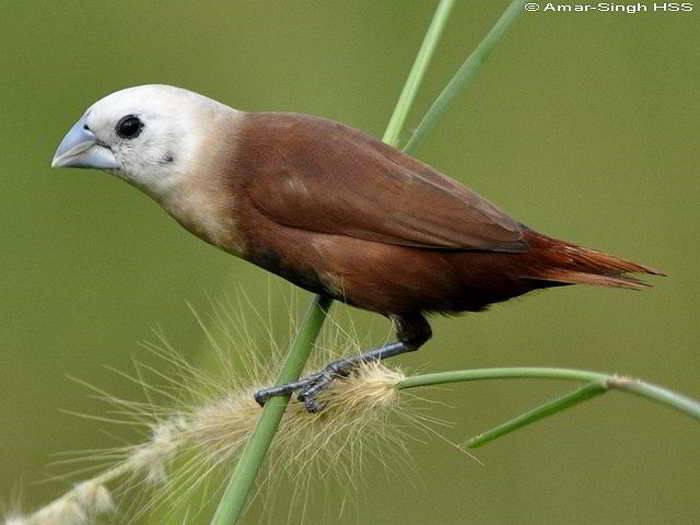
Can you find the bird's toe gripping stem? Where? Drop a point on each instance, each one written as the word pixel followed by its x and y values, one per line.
pixel 309 386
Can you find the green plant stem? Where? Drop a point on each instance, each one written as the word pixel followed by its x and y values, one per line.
pixel 584 393
pixel 415 77
pixel 458 376
pixel 598 383
pixel 466 73
pixel 241 482
pixel 656 393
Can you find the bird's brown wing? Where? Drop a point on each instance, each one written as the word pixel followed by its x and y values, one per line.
pixel 318 175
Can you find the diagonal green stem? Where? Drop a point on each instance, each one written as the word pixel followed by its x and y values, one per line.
pixel 562 403
pixel 466 73
pixel 683 404
pixel 241 482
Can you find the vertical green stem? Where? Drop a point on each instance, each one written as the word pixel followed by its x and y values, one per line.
pixel 243 478
pixel 466 73
pixel 415 77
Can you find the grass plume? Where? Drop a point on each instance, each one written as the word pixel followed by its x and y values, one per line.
pixel 195 425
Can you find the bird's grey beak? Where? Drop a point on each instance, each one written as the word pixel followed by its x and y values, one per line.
pixel 79 149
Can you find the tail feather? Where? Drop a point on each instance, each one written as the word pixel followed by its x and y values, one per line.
pixel 603 262
pixel 572 277
pixel 572 264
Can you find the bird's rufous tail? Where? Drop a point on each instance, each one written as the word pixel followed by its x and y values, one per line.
pixel 572 264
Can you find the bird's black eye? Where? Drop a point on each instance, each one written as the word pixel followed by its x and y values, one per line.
pixel 129 127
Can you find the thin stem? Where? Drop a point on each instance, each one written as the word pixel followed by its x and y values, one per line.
pixel 477 374
pixel 241 482
pixel 415 77
pixel 562 403
pixel 598 383
pixel 669 398
pixel 466 73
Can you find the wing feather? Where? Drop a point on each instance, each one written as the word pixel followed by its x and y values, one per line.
pixel 318 175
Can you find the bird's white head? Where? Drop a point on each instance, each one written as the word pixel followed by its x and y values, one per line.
pixel 148 135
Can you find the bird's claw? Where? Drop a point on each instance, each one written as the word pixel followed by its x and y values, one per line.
pixel 309 386
pixel 261 396
pixel 308 394
pixel 305 386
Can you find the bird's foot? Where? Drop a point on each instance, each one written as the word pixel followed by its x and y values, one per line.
pixel 309 386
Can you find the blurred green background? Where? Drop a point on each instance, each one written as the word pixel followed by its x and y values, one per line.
pixel 583 126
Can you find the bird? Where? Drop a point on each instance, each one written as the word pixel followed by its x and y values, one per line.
pixel 331 209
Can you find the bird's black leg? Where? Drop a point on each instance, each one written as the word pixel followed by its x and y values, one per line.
pixel 412 332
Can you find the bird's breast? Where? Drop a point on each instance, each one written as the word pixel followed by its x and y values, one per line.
pixel 207 212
